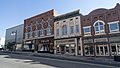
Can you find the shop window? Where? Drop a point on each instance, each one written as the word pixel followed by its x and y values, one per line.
pixel 113 26
pixel 71 29
pixel 89 50
pixel 87 30
pixel 77 28
pixel 99 27
pixel 113 48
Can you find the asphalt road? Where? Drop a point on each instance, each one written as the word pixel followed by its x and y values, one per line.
pixel 17 61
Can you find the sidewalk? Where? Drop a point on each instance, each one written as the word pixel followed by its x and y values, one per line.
pixel 103 61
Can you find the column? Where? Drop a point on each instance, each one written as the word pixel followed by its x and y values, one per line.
pixel 76 47
pixel 35 46
pixel 55 48
pixel 81 46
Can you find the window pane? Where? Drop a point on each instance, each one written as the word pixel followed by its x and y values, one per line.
pixel 71 29
pixel 100 23
pixel 101 27
pixel 65 29
pixel 57 31
pixel 86 29
pixel 96 28
pixel 62 30
pixel 113 26
pixel 77 28
pixel 96 24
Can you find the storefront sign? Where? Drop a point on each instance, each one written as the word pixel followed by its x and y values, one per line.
pixel 65 41
pixel 100 40
pixel 113 39
pixel 88 41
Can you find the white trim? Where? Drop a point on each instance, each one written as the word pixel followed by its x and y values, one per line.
pixel 100 31
pixel 98 21
pixel 89 33
pixel 117 30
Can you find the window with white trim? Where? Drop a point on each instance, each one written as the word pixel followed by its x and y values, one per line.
pixel 114 27
pixel 99 27
pixel 87 30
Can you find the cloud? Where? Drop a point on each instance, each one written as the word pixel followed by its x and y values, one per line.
pixel 2 41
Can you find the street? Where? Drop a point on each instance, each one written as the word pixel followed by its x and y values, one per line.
pixel 19 61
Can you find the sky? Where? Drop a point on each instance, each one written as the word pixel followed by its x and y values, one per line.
pixel 13 12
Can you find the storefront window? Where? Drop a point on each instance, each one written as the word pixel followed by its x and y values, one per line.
pixel 89 50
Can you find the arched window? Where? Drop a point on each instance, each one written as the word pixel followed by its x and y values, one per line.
pixel 99 27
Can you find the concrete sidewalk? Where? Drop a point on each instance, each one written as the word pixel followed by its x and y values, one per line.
pixel 103 61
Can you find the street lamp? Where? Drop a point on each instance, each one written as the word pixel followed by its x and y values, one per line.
pixel 15 34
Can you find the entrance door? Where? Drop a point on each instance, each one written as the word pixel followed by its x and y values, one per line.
pixel 62 48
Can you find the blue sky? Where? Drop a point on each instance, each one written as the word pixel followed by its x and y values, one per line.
pixel 13 12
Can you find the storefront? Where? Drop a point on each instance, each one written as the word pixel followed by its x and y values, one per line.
pixel 88 47
pixel 45 45
pixel 115 45
pixel 68 46
pixel 101 46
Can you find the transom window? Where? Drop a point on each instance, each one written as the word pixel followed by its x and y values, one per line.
pixel 99 26
pixel 113 26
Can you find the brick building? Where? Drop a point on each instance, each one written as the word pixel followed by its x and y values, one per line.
pixel 101 32
pixel 39 32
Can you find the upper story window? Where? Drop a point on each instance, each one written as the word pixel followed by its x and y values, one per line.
pixel 26 35
pixel 48 20
pixel 87 30
pixel 64 29
pixel 49 30
pixel 41 32
pixel 57 31
pixel 77 28
pixel 114 27
pixel 35 33
pixel 71 29
pixel 99 27
pixel 30 34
